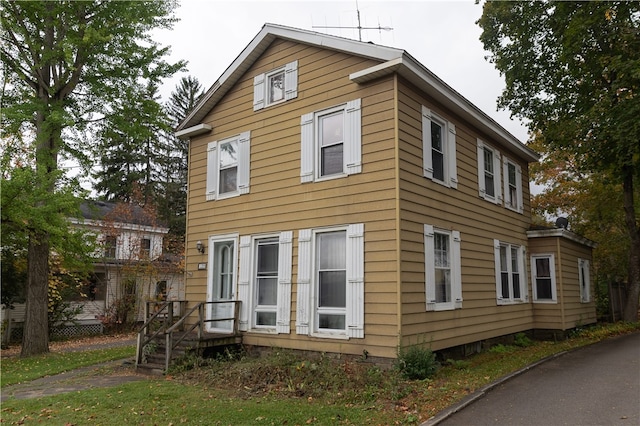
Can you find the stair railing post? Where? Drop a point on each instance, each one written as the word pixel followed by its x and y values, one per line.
pixel 170 314
pixel 168 351
pixel 146 317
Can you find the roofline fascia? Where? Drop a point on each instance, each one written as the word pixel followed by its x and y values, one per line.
pixel 192 131
pixel 562 233
pixel 407 66
pixel 101 225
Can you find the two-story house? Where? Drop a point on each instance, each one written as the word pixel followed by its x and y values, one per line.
pixel 352 201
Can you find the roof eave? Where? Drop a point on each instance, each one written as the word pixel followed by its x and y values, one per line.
pixel 562 233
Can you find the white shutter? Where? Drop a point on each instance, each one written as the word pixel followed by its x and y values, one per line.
pixel 212 170
pixel 481 189
pixel 306 148
pixel 283 314
pixel 304 281
pixel 353 138
pixel 355 281
pixel 524 293
pixel 244 295
pixel 451 154
pixel 496 176
pixel 429 267
pixel 519 188
pixel 498 271
pixel 258 92
pixel 291 80
pixel 244 162
pixel 456 281
pixel 427 158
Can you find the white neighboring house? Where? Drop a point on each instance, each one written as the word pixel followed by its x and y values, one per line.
pixel 129 261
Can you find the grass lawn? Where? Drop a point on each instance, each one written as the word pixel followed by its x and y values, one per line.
pixel 283 389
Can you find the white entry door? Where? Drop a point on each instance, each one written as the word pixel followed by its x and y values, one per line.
pixel 221 286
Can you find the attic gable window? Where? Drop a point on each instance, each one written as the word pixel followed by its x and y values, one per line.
pixel 331 142
pixel 489 173
pixel 228 167
pixel 439 149
pixel 276 86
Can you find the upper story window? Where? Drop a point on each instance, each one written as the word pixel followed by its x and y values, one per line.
pixel 275 86
pixel 443 275
pixel 510 273
pixel 585 280
pixel 512 185
pixel 489 173
pixel 228 167
pixel 110 244
pixel 331 142
pixel 439 149
pixel 145 248
pixel 544 278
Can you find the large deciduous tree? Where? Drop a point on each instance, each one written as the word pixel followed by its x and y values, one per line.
pixel 573 70
pixel 66 63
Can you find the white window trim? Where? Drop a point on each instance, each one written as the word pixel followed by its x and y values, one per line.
pixel 213 167
pixel 449 149
pixel 497 199
pixel 552 268
pixel 519 197
pixel 306 285
pixel 247 284
pixel 260 88
pixel 524 296
pixel 456 270
pixel 352 144
pixel 584 274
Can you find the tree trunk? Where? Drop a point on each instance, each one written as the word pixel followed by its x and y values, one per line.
pixel 630 312
pixel 35 338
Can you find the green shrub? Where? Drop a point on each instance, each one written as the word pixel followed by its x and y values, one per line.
pixel 522 340
pixel 501 349
pixel 417 363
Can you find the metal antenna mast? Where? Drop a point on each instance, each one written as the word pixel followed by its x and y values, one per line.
pixel 359 27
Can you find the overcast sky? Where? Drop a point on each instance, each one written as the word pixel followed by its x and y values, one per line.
pixel 442 35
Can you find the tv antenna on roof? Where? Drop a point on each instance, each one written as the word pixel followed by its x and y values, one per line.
pixel 359 27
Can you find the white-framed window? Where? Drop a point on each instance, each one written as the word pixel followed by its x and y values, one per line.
pixel 512 185
pixel 443 274
pixel 331 282
pixel 510 273
pixel 275 86
pixel 331 142
pixel 110 247
pixel 489 173
pixel 585 280
pixel 228 167
pixel 145 248
pixel 439 149
pixel 264 286
pixel 543 278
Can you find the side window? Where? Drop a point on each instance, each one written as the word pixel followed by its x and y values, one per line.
pixel 439 149
pixel 510 273
pixel 275 86
pixel 145 248
pixel 228 167
pixel 512 185
pixel 489 173
pixel 331 282
pixel 443 278
pixel 331 142
pixel 543 278
pixel 585 280
pixel 110 246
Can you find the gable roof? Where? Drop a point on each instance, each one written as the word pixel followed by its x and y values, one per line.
pixel 105 210
pixel 392 60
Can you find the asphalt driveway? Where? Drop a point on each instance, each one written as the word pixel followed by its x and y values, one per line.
pixel 596 385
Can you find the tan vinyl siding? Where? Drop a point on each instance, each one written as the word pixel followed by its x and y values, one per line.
pixel 479 222
pixel 278 201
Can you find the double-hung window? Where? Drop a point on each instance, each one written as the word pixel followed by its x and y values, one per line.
pixel 510 273
pixel 331 282
pixel 443 277
pixel 110 246
pixel 543 278
pixel 275 86
pixel 145 248
pixel 512 185
pixel 489 173
pixel 331 142
pixel 228 167
pixel 439 149
pixel 264 285
pixel 585 280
